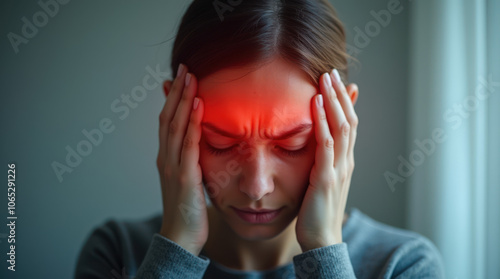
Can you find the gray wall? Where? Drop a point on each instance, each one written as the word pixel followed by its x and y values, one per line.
pixel 64 80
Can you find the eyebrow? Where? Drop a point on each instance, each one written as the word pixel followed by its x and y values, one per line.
pixel 281 136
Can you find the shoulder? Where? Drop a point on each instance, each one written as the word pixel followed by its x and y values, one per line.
pixel 389 250
pixel 116 246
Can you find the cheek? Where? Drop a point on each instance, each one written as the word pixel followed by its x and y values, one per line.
pixel 302 172
pixel 294 182
pixel 294 177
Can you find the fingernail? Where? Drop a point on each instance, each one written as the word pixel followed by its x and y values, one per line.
pixel 319 100
pixel 188 79
pixel 328 80
pixel 336 75
pixel 180 69
pixel 195 103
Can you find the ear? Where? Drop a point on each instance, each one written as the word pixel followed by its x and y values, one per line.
pixel 352 90
pixel 166 87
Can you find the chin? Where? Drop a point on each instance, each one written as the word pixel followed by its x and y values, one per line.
pixel 256 232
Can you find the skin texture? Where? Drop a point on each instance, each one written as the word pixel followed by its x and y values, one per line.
pixel 311 187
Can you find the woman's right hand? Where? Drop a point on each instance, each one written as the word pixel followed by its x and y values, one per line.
pixel 185 218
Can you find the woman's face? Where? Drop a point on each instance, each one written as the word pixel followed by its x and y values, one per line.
pixel 257 169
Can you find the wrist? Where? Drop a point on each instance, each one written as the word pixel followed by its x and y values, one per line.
pixel 181 241
pixel 320 241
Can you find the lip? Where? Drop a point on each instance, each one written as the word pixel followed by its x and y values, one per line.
pixel 252 210
pixel 260 216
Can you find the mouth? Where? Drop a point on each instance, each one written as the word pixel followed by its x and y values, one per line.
pixel 257 216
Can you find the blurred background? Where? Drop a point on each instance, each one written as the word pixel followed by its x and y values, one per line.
pixel 426 154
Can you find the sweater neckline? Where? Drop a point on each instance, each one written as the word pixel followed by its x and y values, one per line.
pixel 347 228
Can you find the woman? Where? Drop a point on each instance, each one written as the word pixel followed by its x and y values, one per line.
pixel 259 118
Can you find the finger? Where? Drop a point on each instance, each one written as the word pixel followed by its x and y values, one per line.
pixel 178 125
pixel 349 111
pixel 336 118
pixel 167 114
pixel 190 149
pixel 325 144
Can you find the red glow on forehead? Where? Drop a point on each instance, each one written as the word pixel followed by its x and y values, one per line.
pixel 269 99
pixel 238 115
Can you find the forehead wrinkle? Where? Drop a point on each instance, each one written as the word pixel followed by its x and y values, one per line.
pixel 266 100
pixel 265 126
pixel 261 119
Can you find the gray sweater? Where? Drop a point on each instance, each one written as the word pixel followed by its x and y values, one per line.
pixel 134 249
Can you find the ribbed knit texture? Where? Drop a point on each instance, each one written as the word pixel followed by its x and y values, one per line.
pixel 121 249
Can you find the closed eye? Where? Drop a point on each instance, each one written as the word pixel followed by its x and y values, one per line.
pixel 293 153
pixel 290 153
pixel 218 151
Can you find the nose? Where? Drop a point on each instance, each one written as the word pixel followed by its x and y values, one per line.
pixel 257 176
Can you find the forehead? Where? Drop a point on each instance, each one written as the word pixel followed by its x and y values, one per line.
pixel 274 94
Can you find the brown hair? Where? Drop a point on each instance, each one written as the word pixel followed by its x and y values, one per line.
pixel 214 35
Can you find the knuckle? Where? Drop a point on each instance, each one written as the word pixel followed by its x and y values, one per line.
pixel 354 121
pixel 345 128
pixel 322 116
pixel 188 142
pixel 332 95
pixel 352 164
pixel 173 128
pixel 328 143
pixel 341 173
pixel 167 171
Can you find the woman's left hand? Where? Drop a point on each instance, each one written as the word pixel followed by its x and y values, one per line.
pixel 321 214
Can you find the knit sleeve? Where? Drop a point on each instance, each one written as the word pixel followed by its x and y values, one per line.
pixel 110 252
pixel 99 257
pixel 418 258
pixel 167 259
pixel 325 262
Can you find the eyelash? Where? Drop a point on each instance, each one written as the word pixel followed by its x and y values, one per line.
pixel 219 152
